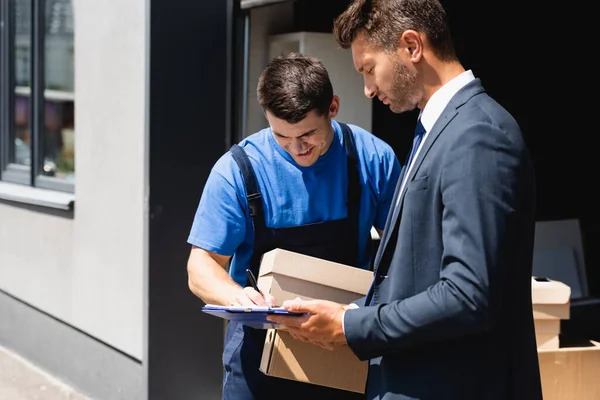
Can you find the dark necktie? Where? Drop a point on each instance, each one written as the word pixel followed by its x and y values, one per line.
pixel 419 132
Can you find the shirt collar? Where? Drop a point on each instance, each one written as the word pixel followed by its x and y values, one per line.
pixel 440 99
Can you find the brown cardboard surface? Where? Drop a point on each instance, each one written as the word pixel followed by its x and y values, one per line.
pixel 547 341
pixel 287 288
pixel 551 299
pixel 549 292
pixel 570 373
pixel 547 326
pixel 552 311
pixel 546 333
pixel 296 360
pixel 287 275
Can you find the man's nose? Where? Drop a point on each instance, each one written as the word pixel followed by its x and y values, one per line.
pixel 370 89
pixel 297 145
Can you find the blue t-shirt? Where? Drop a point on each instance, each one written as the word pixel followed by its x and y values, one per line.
pixel 292 195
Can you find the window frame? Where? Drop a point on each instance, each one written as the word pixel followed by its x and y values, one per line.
pixel 11 172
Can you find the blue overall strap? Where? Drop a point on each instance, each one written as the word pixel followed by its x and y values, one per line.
pixel 354 188
pixel 253 196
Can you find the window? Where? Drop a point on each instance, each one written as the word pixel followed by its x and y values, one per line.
pixel 37 93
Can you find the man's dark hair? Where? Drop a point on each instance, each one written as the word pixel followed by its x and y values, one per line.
pixel 293 85
pixel 384 21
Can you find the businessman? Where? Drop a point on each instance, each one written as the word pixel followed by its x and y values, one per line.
pixel 449 315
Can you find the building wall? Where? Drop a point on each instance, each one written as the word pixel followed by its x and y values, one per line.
pixel 87 269
pixel 264 21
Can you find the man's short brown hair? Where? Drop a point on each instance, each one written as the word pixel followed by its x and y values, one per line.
pixel 384 21
pixel 293 85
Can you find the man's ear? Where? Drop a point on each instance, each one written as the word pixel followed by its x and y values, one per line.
pixel 412 44
pixel 334 107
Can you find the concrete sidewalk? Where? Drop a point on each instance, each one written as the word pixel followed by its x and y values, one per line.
pixel 21 380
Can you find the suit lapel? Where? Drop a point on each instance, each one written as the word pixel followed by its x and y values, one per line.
pixel 386 231
pixel 394 217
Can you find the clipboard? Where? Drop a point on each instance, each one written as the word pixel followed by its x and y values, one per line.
pixel 255 317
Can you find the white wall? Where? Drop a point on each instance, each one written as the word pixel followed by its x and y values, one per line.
pixel 36 258
pixel 264 21
pixel 88 271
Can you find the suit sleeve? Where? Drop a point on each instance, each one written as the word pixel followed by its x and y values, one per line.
pixel 480 173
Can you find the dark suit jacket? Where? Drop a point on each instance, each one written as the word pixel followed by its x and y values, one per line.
pixel 452 315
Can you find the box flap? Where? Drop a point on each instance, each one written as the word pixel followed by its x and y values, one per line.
pixel 589 345
pixel 548 291
pixel 300 266
pixel 267 262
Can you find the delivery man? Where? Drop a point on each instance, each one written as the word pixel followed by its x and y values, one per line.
pixel 307 184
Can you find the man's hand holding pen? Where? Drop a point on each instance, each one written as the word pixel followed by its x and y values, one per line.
pixel 248 296
pixel 252 295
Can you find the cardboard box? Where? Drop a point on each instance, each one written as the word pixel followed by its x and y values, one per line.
pixel 287 275
pixel 552 311
pixel 547 326
pixel 551 303
pixel 550 298
pixel 570 372
pixel 546 333
pixel 547 341
pixel 288 358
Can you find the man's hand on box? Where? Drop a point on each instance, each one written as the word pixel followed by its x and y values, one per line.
pixel 322 326
pixel 250 297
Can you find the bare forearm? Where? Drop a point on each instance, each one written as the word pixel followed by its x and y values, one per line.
pixel 210 282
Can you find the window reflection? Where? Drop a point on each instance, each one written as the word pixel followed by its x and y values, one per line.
pixel 58 133
pixel 22 131
pixel 59 127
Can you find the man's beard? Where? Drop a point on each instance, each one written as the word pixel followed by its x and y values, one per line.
pixel 404 91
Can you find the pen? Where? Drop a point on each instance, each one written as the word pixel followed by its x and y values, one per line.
pixel 252 281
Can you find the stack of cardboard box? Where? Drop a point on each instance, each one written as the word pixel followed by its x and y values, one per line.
pixel 288 275
pixel 551 304
pixel 567 365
